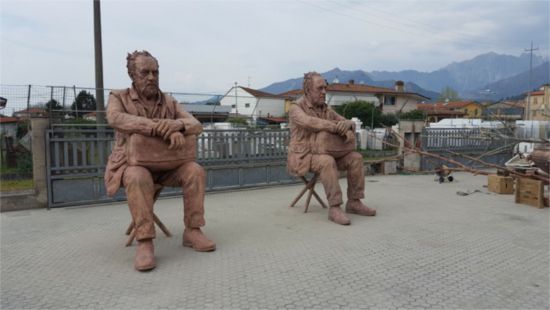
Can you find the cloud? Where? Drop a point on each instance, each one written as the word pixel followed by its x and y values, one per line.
pixel 205 46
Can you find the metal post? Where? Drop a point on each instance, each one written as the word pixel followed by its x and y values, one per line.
pixel 236 102
pixel 75 103
pixel 100 117
pixel 28 108
pixel 64 93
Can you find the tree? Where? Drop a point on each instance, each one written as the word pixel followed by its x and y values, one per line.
pixel 387 120
pixel 367 113
pixel 448 93
pixel 53 105
pixel 83 103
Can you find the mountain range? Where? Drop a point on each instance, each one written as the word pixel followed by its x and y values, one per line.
pixel 489 76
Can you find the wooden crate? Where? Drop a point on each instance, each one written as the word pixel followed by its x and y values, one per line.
pixel 500 184
pixel 531 192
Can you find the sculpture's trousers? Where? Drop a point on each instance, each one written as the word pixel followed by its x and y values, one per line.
pixel 140 188
pixel 328 167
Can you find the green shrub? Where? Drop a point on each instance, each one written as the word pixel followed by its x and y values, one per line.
pixel 413 115
pixel 24 163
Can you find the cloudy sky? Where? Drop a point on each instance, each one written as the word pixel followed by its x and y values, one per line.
pixel 205 46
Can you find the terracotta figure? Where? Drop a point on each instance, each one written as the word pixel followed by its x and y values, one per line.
pixel 319 143
pixel 146 112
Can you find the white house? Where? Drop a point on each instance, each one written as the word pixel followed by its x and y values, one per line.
pixel 253 103
pixel 8 126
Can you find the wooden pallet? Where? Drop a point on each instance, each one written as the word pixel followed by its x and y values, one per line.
pixel 531 192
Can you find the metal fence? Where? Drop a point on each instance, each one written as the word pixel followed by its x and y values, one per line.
pixel 490 145
pixel 76 159
pixel 464 139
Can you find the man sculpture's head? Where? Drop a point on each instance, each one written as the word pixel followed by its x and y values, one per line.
pixel 315 88
pixel 143 69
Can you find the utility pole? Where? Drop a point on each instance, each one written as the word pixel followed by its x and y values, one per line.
pixel 99 92
pixel 528 106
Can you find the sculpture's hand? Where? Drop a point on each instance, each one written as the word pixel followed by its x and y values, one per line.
pixel 349 136
pixel 343 126
pixel 177 141
pixel 165 127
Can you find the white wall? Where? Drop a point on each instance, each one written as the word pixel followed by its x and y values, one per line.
pixel 410 105
pixel 248 105
pixel 273 106
pixel 242 100
pixel 338 98
pixel 8 129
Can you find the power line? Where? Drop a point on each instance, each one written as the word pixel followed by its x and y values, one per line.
pixel 414 31
pixel 416 23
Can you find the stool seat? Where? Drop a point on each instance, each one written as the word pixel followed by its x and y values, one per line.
pixel 310 187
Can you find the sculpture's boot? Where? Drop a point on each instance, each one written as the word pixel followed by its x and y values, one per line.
pixel 194 238
pixel 355 206
pixel 337 215
pixel 145 255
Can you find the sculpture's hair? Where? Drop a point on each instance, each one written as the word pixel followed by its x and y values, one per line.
pixel 308 81
pixel 131 60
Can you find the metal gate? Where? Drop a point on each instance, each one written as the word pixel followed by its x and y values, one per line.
pixel 77 155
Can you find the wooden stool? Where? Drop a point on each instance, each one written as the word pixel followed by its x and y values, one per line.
pixel 132 232
pixel 309 186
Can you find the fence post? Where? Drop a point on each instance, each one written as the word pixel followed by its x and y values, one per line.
pixel 38 140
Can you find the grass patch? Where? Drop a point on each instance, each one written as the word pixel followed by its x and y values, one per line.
pixel 13 185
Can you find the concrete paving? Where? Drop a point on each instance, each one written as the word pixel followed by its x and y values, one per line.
pixel 427 248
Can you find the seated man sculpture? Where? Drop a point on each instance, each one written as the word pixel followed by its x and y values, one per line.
pixel 323 142
pixel 144 118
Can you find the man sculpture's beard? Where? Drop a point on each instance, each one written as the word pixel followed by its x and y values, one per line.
pixel 150 91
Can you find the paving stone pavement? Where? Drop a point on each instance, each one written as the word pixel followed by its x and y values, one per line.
pixel 427 248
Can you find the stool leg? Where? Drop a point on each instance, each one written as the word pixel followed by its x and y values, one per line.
pixel 308 199
pixel 161 226
pixel 131 238
pixel 319 199
pixel 130 227
pixel 298 197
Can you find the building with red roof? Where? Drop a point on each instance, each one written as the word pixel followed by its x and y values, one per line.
pixel 537 104
pixel 389 100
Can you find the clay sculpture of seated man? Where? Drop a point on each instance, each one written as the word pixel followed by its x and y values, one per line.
pixel 155 143
pixel 323 142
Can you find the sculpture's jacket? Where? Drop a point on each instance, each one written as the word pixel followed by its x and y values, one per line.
pixel 305 120
pixel 128 114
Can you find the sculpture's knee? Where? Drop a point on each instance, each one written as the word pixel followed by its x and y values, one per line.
pixel 136 175
pixel 192 170
pixel 325 162
pixel 356 157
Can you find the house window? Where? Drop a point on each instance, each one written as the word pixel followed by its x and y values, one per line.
pixel 233 106
pixel 389 100
pixel 247 105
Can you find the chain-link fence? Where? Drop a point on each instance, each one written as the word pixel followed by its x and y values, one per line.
pixel 22 98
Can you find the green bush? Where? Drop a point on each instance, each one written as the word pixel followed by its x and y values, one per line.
pixel 237 120
pixel 22 129
pixel 24 163
pixel 367 113
pixel 413 115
